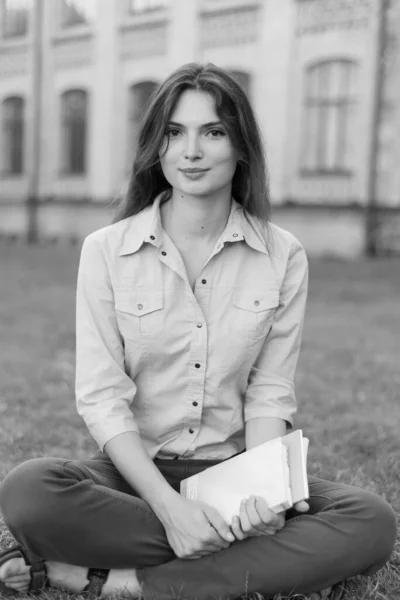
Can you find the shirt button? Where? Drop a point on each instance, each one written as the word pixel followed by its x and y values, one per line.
pixel 256 303
pixel 164 253
pixel 152 237
pixel 234 234
pixel 204 281
pixel 197 365
pixel 191 430
pixel 195 403
pixel 140 306
pixel 199 325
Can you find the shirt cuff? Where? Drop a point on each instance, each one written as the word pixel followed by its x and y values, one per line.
pixel 104 433
pixel 257 412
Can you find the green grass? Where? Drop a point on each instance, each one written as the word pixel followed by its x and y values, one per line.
pixel 347 385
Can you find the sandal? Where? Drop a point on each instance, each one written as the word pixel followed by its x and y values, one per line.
pixel 38 574
pixel 38 571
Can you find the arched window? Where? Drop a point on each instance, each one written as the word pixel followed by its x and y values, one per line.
pixel 243 79
pixel 77 12
pixel 329 115
pixel 13 135
pixel 139 95
pixel 74 104
pixel 15 17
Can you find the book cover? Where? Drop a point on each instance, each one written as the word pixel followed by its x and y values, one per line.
pixel 275 470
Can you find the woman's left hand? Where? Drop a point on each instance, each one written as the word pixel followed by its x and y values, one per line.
pixel 256 518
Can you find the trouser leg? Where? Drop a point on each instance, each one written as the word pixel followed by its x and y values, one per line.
pixel 348 531
pixel 82 513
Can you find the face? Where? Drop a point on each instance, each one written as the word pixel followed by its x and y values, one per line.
pixel 200 159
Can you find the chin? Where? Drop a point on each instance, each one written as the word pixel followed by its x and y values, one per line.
pixel 195 189
pixel 201 193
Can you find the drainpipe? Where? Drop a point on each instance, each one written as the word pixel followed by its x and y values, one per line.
pixel 33 194
pixel 372 208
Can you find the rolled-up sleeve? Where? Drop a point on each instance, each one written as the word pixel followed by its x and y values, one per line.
pixel 104 392
pixel 270 391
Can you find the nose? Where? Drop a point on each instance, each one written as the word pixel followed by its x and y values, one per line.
pixel 193 148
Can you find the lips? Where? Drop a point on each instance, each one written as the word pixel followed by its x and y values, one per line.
pixel 194 170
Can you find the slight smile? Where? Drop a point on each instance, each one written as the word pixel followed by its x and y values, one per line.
pixel 193 170
pixel 194 173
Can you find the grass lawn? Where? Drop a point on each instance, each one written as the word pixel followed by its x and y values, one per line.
pixel 347 385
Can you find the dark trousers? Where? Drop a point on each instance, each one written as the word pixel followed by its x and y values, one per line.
pixel 84 513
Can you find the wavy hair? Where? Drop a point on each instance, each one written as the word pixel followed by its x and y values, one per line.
pixel 250 181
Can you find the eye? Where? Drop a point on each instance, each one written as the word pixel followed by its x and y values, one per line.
pixel 216 133
pixel 173 133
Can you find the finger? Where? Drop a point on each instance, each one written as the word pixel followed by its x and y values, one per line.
pixel 252 513
pixel 215 539
pixel 206 551
pixel 17 579
pixel 268 516
pixel 302 506
pixel 244 518
pixel 219 525
pixel 236 529
pixel 20 587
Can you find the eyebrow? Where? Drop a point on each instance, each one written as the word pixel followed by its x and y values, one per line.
pixel 204 126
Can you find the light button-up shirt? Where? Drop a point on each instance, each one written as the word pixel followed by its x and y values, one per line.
pixel 187 369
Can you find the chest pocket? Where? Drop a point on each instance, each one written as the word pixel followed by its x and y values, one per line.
pixel 139 314
pixel 254 311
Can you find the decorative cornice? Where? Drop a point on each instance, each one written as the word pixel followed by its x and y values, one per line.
pixel 228 25
pixel 314 16
pixel 72 38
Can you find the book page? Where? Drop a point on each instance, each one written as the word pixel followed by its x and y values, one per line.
pixel 297 450
pixel 262 471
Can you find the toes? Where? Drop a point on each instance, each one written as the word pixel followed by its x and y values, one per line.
pixel 18 587
pixel 17 579
pixel 14 566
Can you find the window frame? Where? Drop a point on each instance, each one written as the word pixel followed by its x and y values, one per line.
pixel 321 103
pixel 15 35
pixel 69 137
pixel 12 143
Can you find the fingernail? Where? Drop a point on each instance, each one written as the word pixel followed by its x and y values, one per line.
pixel 231 537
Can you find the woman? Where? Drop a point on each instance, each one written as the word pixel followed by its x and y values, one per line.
pixel 189 316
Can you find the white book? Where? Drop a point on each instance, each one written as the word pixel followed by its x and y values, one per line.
pixel 275 470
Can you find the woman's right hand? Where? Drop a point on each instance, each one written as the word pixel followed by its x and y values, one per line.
pixel 195 529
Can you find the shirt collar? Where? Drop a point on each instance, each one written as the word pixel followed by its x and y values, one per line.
pixel 143 227
pixel 245 227
pixel 146 227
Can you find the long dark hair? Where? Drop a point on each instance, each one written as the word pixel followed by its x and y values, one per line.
pixel 250 181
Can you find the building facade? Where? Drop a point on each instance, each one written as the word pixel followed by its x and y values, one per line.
pixel 323 77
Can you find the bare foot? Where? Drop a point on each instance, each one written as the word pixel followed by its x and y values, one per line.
pixel 122 580
pixel 15 574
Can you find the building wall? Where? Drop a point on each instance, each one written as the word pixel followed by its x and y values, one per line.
pixel 323 34
pixel 272 41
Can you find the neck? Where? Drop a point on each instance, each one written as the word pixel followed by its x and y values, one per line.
pixel 194 218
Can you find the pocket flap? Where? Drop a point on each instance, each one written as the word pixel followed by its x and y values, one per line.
pixel 254 300
pixel 138 303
